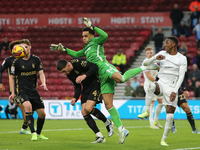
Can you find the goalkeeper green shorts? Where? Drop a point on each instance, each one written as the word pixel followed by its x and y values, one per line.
pixel 106 70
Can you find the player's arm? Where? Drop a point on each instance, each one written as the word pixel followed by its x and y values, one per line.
pixel 3 67
pixel 156 58
pixel 72 53
pixel 77 90
pixel 2 88
pixel 103 35
pixel 12 86
pixel 43 79
pixel 182 70
pixel 90 67
pixel 149 76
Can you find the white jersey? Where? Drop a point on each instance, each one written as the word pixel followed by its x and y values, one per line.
pixel 152 72
pixel 170 67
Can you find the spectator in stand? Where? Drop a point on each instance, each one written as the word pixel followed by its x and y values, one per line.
pixel 197 89
pixel 193 5
pixel 183 47
pixel 175 31
pixel 119 60
pixel 139 92
pixel 158 38
pixel 128 89
pixel 196 59
pixel 194 17
pixel 176 15
pixel 5 44
pixel 184 52
pixel 196 30
pixel 183 30
pixel 135 83
pixel 194 76
pixel 11 109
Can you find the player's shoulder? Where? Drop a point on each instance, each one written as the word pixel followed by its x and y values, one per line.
pixel 77 59
pixel 180 56
pixel 35 57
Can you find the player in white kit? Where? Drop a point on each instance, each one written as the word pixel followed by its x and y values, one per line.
pixel 173 66
pixel 150 77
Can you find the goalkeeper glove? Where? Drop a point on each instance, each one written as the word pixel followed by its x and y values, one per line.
pixel 88 23
pixel 57 47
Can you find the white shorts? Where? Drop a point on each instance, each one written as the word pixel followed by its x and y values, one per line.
pixel 155 97
pixel 165 92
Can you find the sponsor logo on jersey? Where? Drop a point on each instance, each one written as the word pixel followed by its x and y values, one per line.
pixel 28 73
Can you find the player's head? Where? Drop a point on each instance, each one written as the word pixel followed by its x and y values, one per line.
pixel 13 44
pixel 64 67
pixel 171 43
pixel 87 34
pixel 27 44
pixel 149 51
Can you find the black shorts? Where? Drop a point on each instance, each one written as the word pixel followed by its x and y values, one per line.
pixel 33 97
pixel 181 98
pixel 92 92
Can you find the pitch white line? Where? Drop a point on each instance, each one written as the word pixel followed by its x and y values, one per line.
pixel 188 148
pixel 74 129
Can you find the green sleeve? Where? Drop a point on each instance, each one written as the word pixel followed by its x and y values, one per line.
pixel 103 35
pixel 74 53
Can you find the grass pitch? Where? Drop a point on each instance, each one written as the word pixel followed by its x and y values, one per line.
pixel 75 135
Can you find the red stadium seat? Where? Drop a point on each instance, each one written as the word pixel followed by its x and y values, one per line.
pixel 182 39
pixel 191 38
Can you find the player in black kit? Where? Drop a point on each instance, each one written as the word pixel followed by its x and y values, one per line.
pixel 7 65
pixel 80 71
pixel 182 102
pixel 24 71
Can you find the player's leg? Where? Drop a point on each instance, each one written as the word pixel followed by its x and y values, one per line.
pixel 92 124
pixel 131 73
pixel 107 90
pixel 151 116
pixel 157 113
pixel 190 117
pixel 108 101
pixel 89 108
pixel 152 89
pixel 29 117
pixel 169 120
pixel 25 123
pixel 40 123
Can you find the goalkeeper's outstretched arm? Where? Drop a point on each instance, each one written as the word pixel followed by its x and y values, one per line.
pixel 60 47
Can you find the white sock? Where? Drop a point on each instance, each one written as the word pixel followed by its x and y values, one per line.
pixel 107 122
pixel 143 68
pixel 168 125
pixel 120 128
pixel 157 111
pixel 99 134
pixel 151 114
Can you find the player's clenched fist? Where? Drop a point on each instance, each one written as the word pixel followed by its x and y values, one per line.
pixel 160 57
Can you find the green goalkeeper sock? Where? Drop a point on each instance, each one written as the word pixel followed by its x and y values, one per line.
pixel 115 116
pixel 130 73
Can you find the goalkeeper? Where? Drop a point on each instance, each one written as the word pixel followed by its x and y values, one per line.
pixel 108 74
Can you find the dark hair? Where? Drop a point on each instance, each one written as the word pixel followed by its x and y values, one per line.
pixel 11 45
pixel 26 41
pixel 90 30
pixel 174 39
pixel 61 64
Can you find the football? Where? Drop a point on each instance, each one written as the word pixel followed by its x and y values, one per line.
pixel 19 51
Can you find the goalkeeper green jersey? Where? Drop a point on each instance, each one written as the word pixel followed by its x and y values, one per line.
pixel 94 53
pixel 94 50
